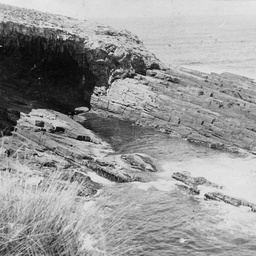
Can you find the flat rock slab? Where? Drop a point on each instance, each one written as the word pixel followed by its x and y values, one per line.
pixel 60 143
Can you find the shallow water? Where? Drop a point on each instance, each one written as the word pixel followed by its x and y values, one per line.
pixel 167 221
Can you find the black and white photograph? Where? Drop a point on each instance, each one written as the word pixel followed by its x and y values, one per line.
pixel 127 127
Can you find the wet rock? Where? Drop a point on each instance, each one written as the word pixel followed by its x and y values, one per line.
pixel 205 182
pixel 193 182
pixel 125 167
pixel 229 200
pixel 140 161
pixel 221 197
pixel 190 190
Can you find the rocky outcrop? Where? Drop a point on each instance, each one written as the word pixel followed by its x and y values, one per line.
pixel 66 63
pixel 230 200
pixel 46 141
pixel 54 62
pixel 213 110
pixel 103 50
pixel 191 187
pixel 58 61
pixel 194 181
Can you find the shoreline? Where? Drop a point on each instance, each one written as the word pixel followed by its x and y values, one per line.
pixel 56 73
pixel 208 70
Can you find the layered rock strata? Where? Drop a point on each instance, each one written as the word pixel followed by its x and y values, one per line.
pixel 215 110
pixel 59 60
pixel 46 141
pixel 56 62
pixel 67 63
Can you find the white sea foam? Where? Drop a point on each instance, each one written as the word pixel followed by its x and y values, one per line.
pixel 96 178
pixel 160 184
pixel 237 175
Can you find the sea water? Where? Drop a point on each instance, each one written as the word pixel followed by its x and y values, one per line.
pixel 169 221
pixel 165 220
pixel 204 43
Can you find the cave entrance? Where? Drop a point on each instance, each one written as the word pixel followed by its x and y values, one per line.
pixel 45 71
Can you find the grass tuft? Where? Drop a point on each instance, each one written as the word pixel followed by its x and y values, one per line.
pixel 51 220
pixel 42 220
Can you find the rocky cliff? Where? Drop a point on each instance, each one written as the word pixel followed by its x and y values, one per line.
pixel 59 60
pixel 60 63
pixel 64 63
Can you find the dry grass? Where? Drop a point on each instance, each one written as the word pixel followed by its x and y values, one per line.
pixel 41 221
pixel 52 220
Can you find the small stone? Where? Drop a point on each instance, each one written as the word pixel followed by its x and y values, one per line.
pixel 81 110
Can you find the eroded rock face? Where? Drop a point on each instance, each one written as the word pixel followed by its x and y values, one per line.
pixel 46 141
pixel 51 61
pixel 214 110
pixel 117 76
pixel 100 47
pixel 58 61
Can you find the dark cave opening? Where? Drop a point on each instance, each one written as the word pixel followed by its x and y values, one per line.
pixel 44 71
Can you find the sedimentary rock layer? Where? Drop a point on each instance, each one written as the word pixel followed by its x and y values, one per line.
pixel 215 110
pixel 70 63
pixel 46 141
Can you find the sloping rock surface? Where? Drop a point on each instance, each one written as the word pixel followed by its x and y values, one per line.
pixel 46 141
pixel 214 110
pixel 55 62
pixel 67 63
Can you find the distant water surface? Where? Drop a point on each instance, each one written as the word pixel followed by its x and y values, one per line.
pixel 205 43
